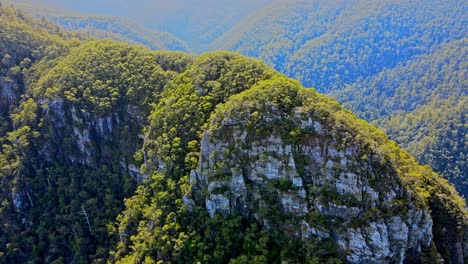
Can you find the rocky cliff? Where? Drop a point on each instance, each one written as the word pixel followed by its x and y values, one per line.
pixel 213 158
pixel 285 163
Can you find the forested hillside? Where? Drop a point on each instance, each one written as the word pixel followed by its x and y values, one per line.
pixel 24 41
pixel 434 76
pixel 380 59
pixel 195 22
pixel 99 26
pixel 435 133
pixel 422 106
pixel 46 190
pixel 119 29
pixel 327 45
pixel 117 153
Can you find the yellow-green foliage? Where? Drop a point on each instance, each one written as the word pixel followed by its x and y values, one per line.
pixel 245 110
pixel 61 189
pixel 25 37
pixel 378 58
pixel 99 75
pixel 189 99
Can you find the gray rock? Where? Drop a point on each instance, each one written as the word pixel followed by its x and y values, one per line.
pixel 297 182
pixel 293 205
pixel 217 203
pixel 308 231
pixel 7 92
pixel 254 167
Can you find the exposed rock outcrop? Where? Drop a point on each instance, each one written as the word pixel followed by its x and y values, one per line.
pixel 320 172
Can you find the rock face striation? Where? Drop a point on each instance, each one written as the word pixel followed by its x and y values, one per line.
pixel 317 181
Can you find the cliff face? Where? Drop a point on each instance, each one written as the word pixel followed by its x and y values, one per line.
pixel 70 143
pixel 335 184
pixel 294 169
pixel 278 155
pixel 213 158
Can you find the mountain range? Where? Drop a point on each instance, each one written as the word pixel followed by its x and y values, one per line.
pixel 114 152
pixel 385 61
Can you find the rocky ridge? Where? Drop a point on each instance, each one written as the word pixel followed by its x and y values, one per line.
pixel 325 180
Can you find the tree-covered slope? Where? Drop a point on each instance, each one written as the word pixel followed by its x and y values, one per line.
pixel 72 114
pixel 327 45
pixel 119 29
pixel 195 22
pixel 116 153
pixel 278 173
pixel 436 134
pixel 421 106
pixel 99 26
pixel 377 58
pixel 23 42
pixel 435 76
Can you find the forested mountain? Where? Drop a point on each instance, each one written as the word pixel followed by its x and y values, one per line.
pixel 434 76
pixel 23 42
pixel 99 26
pixel 46 190
pixel 422 106
pixel 436 133
pixel 119 29
pixel 327 45
pixel 117 153
pixel 195 22
pixel 378 58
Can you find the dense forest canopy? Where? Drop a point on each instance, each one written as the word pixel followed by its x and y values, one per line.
pixel 45 147
pixel 377 58
pixel 119 29
pixel 327 44
pixel 100 26
pixel 195 22
pixel 117 153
